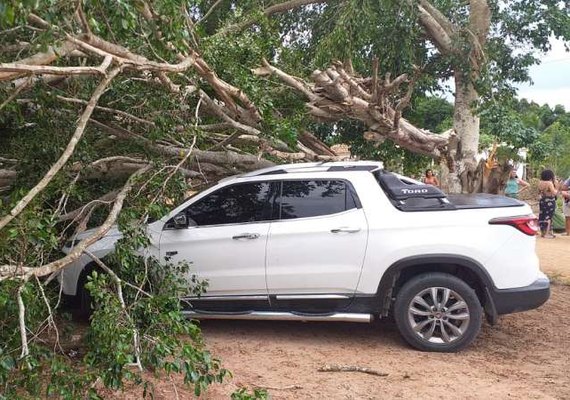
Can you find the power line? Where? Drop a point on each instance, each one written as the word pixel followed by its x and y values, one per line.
pixel 555 61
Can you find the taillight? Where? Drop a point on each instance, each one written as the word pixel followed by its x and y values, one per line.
pixel 527 224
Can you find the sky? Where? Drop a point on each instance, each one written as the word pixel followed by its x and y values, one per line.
pixel 551 79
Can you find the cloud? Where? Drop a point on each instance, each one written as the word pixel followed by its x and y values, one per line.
pixel 551 78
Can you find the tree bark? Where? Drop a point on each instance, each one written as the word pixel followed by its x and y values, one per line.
pixel 462 166
pixel 52 54
pixel 314 144
pixel 461 171
pixel 336 94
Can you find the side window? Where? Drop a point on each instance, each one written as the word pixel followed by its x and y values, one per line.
pixel 235 204
pixel 302 199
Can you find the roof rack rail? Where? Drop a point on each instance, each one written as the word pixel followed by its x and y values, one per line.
pixel 316 166
pixel 363 167
pixel 273 172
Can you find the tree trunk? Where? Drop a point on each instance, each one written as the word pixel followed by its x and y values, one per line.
pixel 461 172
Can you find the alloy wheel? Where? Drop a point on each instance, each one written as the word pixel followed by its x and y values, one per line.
pixel 438 315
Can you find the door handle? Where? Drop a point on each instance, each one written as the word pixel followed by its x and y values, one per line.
pixel 248 236
pixel 345 229
pixel 171 253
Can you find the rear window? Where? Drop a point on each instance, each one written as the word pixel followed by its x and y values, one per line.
pixel 313 198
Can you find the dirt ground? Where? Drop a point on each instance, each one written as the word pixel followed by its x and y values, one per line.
pixel 554 257
pixel 526 356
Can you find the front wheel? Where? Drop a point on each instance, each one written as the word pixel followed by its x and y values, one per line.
pixel 438 312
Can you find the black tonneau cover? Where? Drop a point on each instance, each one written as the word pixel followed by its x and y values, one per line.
pixel 482 200
pixel 408 195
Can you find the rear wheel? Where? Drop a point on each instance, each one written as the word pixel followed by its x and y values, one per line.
pixel 438 312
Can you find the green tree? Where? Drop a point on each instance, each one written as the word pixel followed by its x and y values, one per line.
pixel 556 140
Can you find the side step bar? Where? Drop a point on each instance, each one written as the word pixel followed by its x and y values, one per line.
pixel 281 316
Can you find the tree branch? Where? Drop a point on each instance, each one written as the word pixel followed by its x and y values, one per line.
pixel 267 69
pixel 216 4
pixel 351 368
pixel 52 54
pixel 82 19
pixel 106 109
pixel 227 158
pixel 220 113
pixel 17 91
pixel 480 20
pixel 7 176
pixel 479 25
pixel 314 144
pixel 16 272
pixel 22 322
pixel 84 210
pixel 50 319
pixel 48 70
pixel 15 47
pixel 218 158
pixel 227 93
pixel 67 152
pixel 269 11
pixel 441 19
pixel 333 100
pixel 436 32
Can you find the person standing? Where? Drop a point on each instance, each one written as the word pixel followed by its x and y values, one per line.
pixel 430 178
pixel 565 191
pixel 514 183
pixel 547 203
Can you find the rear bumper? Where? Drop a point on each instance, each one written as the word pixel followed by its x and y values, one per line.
pixel 521 299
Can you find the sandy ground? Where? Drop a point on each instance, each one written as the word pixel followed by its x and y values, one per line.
pixel 554 256
pixel 526 356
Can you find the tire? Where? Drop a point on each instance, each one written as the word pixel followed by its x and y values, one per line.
pixel 448 324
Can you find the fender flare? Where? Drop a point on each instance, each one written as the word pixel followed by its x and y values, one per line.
pixel 391 275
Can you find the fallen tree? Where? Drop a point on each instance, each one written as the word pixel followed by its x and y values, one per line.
pixel 129 152
pixel 95 95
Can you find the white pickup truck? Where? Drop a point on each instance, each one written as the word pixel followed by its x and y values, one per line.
pixel 349 241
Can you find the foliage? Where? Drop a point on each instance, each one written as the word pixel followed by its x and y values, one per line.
pixel 432 113
pixel 244 394
pixel 37 123
pixel 151 290
pixel 167 340
pixel 507 128
pixel 555 140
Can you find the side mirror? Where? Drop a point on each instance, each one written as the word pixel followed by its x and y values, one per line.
pixel 180 221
